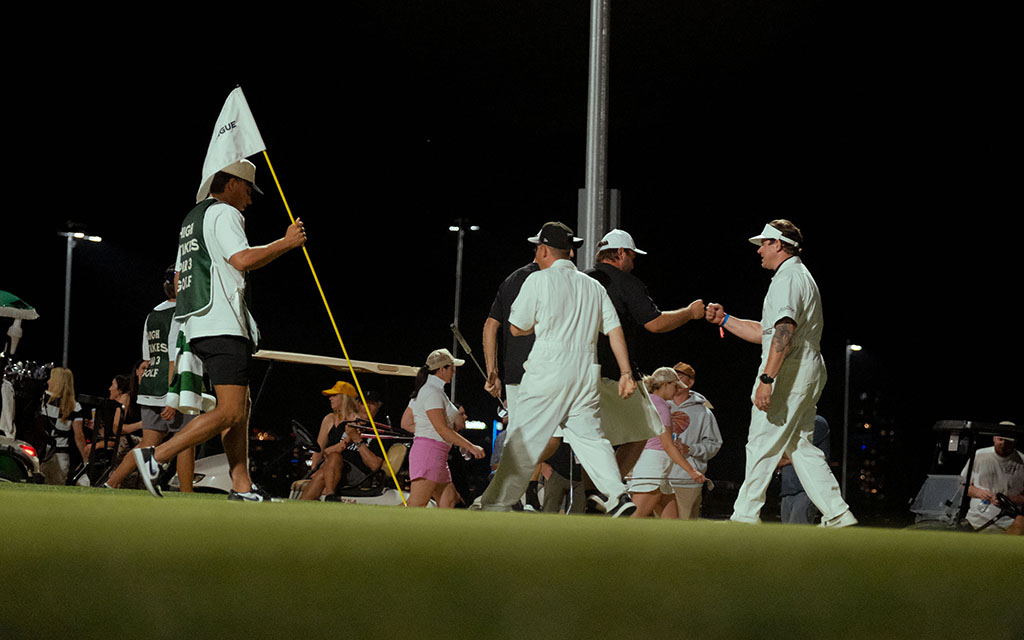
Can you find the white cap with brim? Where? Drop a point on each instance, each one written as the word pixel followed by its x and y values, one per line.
pixel 771 233
pixel 242 169
pixel 618 239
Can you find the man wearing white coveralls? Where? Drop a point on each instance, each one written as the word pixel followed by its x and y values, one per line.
pixel 790 380
pixel 558 395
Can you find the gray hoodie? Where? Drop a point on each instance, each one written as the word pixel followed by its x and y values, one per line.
pixel 702 436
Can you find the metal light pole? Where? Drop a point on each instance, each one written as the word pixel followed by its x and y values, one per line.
pixel 850 348
pixel 72 237
pixel 460 226
pixel 593 216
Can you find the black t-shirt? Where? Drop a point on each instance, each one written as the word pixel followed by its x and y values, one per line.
pixel 635 309
pixel 351 454
pixel 561 459
pixel 516 348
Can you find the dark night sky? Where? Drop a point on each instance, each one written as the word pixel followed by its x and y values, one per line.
pixel 879 134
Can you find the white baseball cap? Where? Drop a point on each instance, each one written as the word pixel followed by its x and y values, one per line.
pixel 618 239
pixel 771 233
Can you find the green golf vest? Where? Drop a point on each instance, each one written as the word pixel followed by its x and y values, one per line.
pixel 154 380
pixel 195 280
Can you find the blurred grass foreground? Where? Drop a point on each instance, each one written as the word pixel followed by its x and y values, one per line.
pixel 90 563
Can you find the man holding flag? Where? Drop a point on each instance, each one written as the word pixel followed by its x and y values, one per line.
pixel 218 334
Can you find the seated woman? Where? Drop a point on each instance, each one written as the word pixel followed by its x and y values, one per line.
pixel 341 445
pixel 64 420
pixel 124 389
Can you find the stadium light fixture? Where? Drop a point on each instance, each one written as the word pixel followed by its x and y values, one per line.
pixel 71 236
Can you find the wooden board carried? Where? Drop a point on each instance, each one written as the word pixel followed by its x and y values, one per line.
pixel 339 364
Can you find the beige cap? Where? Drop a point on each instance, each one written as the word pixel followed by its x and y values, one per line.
pixel 442 357
pixel 242 169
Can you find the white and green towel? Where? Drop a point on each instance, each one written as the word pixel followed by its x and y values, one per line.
pixel 187 393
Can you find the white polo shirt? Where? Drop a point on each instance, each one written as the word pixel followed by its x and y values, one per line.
pixel 224 233
pixel 431 396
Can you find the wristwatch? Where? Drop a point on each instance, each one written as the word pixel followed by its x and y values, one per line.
pixel 767 379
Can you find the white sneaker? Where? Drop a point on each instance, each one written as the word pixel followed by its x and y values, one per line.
pixel 149 469
pixel 844 520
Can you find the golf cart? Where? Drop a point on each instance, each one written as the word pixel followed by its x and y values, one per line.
pixel 212 475
pixel 942 502
pixel 18 461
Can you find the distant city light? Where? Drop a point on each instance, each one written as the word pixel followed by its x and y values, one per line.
pixel 854 347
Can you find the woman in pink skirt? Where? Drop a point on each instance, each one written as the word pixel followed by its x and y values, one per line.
pixel 433 415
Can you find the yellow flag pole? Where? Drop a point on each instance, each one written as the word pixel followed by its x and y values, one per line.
pixel 338 334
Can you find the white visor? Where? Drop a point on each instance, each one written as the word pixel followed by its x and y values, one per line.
pixel 771 233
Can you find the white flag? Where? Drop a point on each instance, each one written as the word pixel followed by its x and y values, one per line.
pixel 235 136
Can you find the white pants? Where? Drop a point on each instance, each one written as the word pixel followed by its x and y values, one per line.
pixel 788 427
pixel 557 397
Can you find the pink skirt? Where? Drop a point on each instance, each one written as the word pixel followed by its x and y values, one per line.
pixel 428 460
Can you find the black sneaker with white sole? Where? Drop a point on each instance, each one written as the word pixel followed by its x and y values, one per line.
pixel 149 469
pixel 254 494
pixel 623 508
pixel 595 502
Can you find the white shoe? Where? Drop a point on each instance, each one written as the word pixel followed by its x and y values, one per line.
pixel 844 520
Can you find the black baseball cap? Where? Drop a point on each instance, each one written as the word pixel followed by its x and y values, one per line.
pixel 556 235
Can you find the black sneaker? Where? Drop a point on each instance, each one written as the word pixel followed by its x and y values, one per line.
pixel 595 502
pixel 623 508
pixel 254 494
pixel 532 499
pixel 149 469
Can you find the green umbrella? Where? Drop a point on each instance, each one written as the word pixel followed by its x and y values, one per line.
pixel 11 306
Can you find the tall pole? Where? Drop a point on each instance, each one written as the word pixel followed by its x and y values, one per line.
pixel 594 214
pixel 458 291
pixel 846 416
pixel 67 298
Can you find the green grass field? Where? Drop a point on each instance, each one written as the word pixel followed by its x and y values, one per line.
pixel 83 563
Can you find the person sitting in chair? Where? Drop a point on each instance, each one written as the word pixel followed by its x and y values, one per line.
pixel 343 450
pixel 998 469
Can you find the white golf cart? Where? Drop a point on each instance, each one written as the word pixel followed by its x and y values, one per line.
pixel 212 475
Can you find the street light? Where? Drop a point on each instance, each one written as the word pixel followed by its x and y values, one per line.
pixel 460 226
pixel 73 237
pixel 850 348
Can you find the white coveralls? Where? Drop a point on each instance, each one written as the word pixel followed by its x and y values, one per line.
pixel 788 425
pixel 566 309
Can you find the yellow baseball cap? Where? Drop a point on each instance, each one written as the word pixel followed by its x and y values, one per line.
pixel 341 387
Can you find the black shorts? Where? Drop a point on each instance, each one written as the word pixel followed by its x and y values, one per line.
pixel 225 359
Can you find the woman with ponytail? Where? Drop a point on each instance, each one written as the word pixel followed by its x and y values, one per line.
pixel 432 416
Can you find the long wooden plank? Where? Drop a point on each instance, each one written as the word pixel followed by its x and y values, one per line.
pixel 339 364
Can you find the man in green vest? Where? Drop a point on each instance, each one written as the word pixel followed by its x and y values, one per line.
pixel 159 334
pixel 218 331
